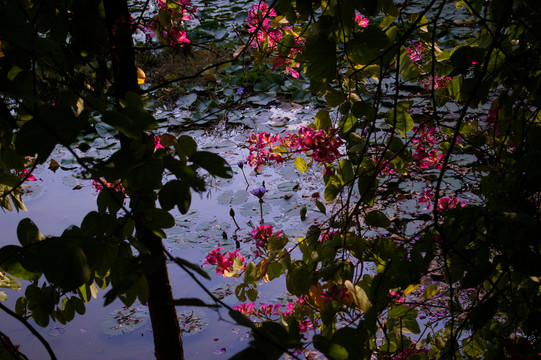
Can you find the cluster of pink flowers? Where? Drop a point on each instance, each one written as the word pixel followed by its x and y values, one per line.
pixel 267 311
pixel 444 203
pixel 429 160
pixel 266 38
pixel 115 185
pixel 24 173
pixel 263 234
pixel 409 352
pixel 335 292
pixel 167 24
pixel 264 149
pixel 323 145
pixel 329 235
pixel 396 297
pixel 224 262
pixel 415 51
pixel 362 22
pixel 320 145
pixel 438 82
pixel 425 156
pixel 268 35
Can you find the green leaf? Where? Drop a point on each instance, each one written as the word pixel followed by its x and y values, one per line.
pixel 64 263
pixel 400 119
pixel 345 172
pixel 109 199
pixel 28 232
pixel 250 273
pixel 213 163
pixel 158 219
pixel 13 72
pixel 299 279
pixel 301 164
pixel 430 291
pixel 331 192
pixel 347 123
pixel 9 282
pixel 377 218
pixel 321 207
pixel 20 263
pixel 323 120
pixel 274 270
pixel 320 54
pixel 367 188
pixel 175 192
pixel 333 351
pixel 359 295
pixel 277 243
pixel 3 297
pixel 400 311
pixel 367 45
pixel 186 145
pixel 334 98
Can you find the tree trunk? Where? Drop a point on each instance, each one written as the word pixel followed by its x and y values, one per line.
pixel 163 314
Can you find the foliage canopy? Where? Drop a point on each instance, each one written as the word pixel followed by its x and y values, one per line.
pixel 67 71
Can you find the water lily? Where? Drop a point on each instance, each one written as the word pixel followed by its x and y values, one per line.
pixel 259 192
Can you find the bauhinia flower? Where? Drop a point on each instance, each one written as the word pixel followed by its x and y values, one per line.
pixel 227 264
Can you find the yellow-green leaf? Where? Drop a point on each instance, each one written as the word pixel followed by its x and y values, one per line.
pixel 301 164
pixel 430 291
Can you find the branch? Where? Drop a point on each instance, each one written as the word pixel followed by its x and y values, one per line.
pixel 31 328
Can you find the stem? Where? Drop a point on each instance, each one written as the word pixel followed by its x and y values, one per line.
pixel 261 211
pixel 32 330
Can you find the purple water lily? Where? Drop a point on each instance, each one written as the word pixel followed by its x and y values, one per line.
pixel 259 192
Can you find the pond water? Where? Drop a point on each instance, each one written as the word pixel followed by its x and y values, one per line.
pixel 60 199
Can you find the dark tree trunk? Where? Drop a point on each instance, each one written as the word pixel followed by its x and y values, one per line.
pixel 163 314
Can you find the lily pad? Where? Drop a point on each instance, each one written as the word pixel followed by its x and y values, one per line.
pixel 252 209
pixel 231 197
pixel 33 191
pixel 192 321
pixel 56 331
pixel 125 320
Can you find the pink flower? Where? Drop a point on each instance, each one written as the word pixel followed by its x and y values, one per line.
pixel 446 203
pixel 438 82
pixel 415 51
pixel 225 262
pixel 246 309
pixel 329 235
pixel 433 159
pixel 263 234
pixel 396 297
pixel 424 135
pixel 362 22
pixel 157 143
pixel 305 325
pixel 269 309
pixel 177 37
pixel 426 197
pixel 24 172
pixel 115 185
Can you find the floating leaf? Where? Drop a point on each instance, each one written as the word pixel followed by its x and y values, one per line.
pixel 125 320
